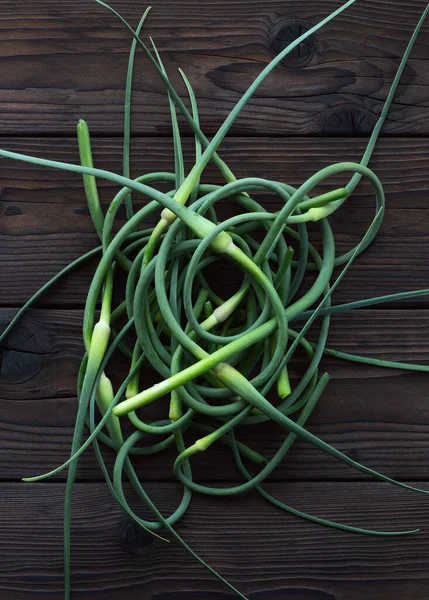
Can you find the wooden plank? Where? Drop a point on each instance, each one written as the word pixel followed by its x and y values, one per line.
pixel 58 66
pixel 378 416
pixel 46 225
pixel 289 559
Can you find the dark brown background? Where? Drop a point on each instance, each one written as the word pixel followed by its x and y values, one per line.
pixel 63 61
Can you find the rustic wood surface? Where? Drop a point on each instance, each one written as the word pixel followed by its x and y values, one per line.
pixel 60 63
pixel 288 559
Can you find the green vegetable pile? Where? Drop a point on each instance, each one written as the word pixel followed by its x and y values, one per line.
pixel 217 358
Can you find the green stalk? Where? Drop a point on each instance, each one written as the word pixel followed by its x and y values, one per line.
pixel 97 348
pixel 127 113
pixel 179 167
pixel 90 184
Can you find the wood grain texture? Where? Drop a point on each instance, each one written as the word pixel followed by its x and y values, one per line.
pixel 266 553
pixel 59 65
pixel 45 222
pixel 377 416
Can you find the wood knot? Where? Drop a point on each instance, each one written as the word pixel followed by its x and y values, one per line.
pixel 12 211
pixel 345 120
pixel 286 30
pixel 135 539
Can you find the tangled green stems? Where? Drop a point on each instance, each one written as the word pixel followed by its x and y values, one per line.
pixel 220 360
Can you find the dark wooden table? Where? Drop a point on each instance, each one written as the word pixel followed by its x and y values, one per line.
pixel 62 61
